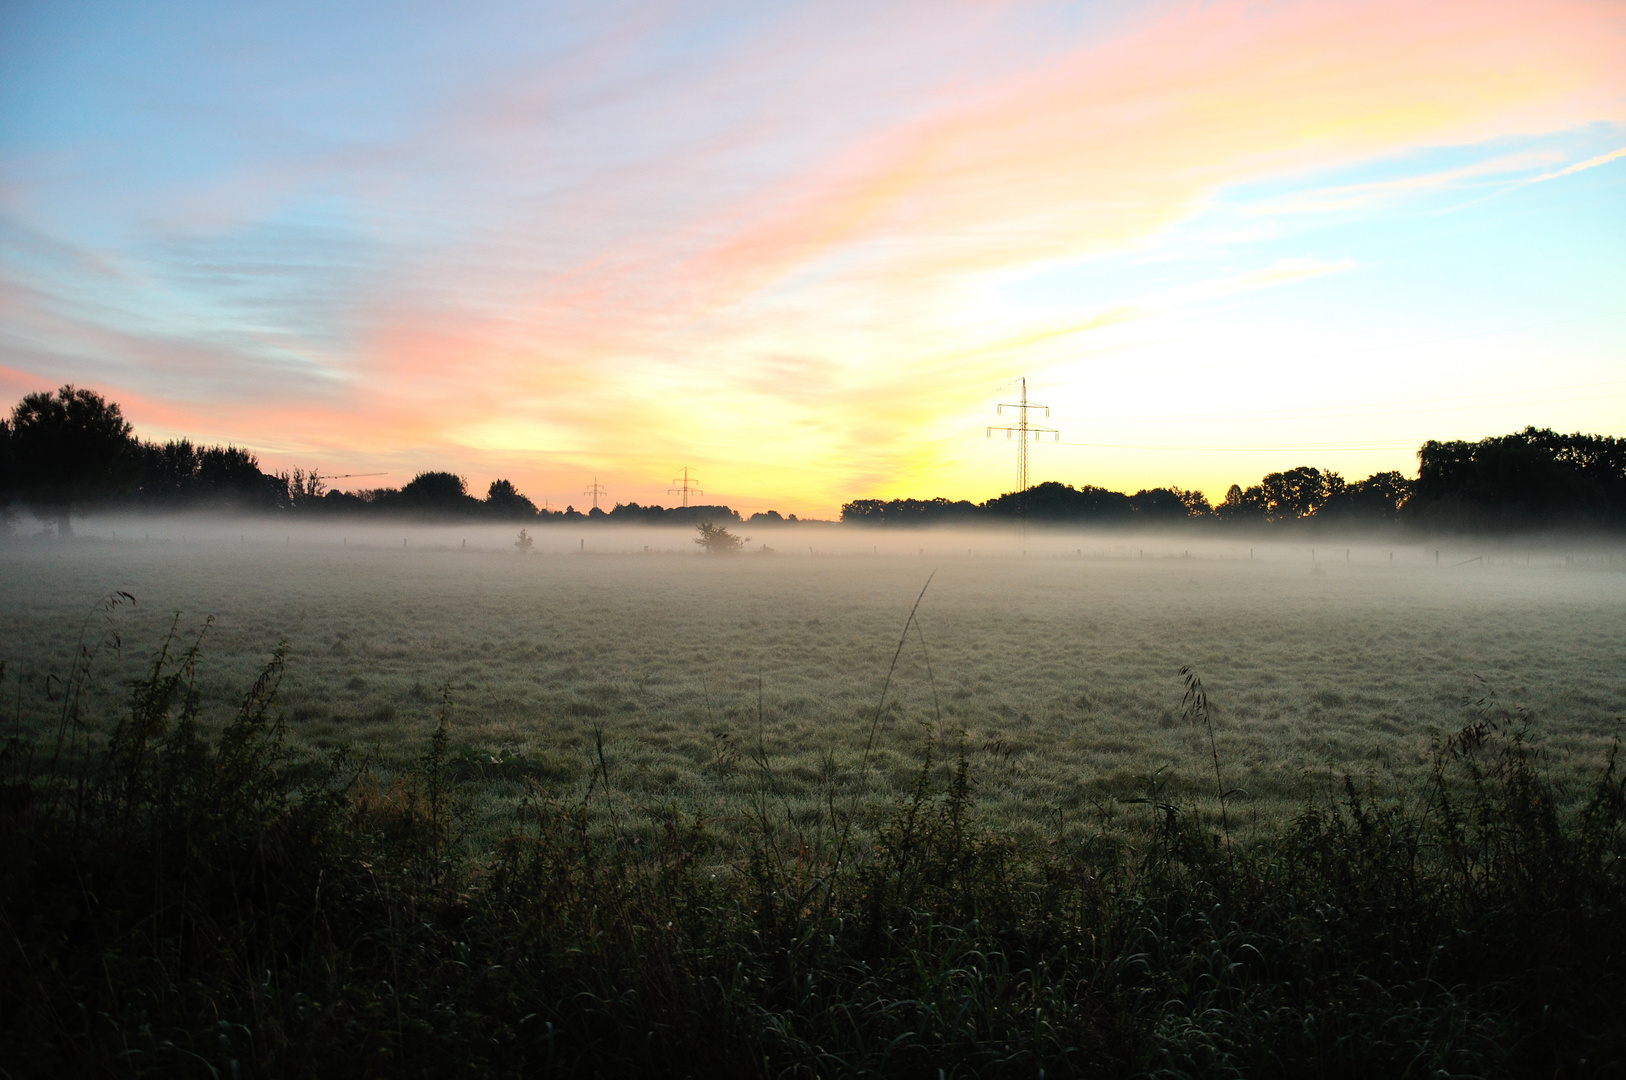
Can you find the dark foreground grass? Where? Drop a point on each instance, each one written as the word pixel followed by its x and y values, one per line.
pixel 186 902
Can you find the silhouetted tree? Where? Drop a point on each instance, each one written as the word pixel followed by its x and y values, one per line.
pixel 632 513
pixel 1242 504
pixel 438 492
pixel 231 477
pixel 1052 501
pixel 178 474
pixel 507 504
pixel 347 501
pixel 1379 497
pixel 169 473
pixel 693 515
pixel 69 447
pixel 909 511
pixel 1533 478
pixel 1297 493
pixel 8 479
pixel 301 490
pixel 1195 502
pixel 1159 504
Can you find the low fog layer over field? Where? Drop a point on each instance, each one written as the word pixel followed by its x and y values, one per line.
pixel 1055 654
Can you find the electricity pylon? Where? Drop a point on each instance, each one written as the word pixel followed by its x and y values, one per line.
pixel 1021 429
pixel 595 491
pixel 685 486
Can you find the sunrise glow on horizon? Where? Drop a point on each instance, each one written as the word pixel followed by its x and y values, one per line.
pixel 805 249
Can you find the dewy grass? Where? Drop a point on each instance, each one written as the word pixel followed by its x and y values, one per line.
pixel 1061 664
pixel 185 899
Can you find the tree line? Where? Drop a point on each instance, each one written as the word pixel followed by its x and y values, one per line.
pixel 1532 479
pixel 67 451
pixel 71 450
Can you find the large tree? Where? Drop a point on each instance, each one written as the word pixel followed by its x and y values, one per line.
pixel 504 501
pixel 438 493
pixel 7 479
pixel 1535 478
pixel 67 448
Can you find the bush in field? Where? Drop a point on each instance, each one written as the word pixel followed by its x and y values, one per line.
pixel 524 543
pixel 717 540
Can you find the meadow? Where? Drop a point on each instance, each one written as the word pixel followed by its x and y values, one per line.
pixel 423 805
pixel 1054 656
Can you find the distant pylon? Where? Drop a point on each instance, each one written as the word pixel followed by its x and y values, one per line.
pixel 685 486
pixel 595 491
pixel 1021 429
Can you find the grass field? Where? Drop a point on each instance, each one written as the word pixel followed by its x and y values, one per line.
pixel 1056 655
pixel 651 835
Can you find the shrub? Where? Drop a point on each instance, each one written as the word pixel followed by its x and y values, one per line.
pixel 717 540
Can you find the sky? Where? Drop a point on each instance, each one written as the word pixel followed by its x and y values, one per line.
pixel 807 249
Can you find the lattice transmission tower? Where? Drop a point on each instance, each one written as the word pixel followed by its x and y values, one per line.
pixel 595 491
pixel 1020 430
pixel 685 486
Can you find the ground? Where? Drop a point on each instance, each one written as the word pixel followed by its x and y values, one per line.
pixel 1054 656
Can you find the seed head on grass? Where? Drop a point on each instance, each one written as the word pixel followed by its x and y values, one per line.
pixel 1195 705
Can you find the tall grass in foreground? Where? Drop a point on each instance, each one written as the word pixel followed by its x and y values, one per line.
pixel 180 901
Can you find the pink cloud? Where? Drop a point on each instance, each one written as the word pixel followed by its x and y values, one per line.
pixel 1119 140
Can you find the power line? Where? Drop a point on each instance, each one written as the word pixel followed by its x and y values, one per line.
pixel 686 486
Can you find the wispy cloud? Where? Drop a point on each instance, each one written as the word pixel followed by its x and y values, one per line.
pixel 646 232
pixel 1582 166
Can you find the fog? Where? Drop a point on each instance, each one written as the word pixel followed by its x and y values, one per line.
pixel 1311 546
pixel 1053 656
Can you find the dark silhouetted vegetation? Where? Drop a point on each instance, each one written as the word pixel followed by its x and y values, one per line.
pixel 1536 479
pixel 439 493
pixel 504 501
pixel 1533 479
pixel 633 514
pixel 66 449
pixel 181 898
pixel 178 476
pixel 73 451
pixel 1307 493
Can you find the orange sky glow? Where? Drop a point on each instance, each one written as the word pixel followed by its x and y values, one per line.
pixel 806 256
